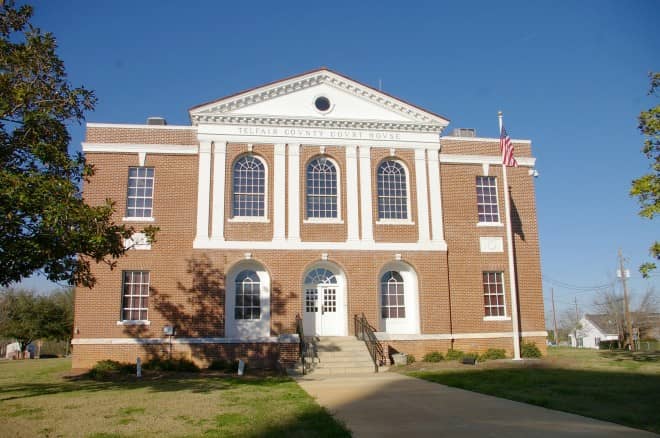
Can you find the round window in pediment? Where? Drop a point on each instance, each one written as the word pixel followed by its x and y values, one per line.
pixel 322 104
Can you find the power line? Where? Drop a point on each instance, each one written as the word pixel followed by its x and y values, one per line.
pixel 573 287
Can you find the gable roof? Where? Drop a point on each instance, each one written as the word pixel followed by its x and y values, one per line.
pixel 238 104
pixel 604 323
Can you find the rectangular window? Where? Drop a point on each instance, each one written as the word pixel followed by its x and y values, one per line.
pixel 487 199
pixel 135 296
pixel 493 294
pixel 139 200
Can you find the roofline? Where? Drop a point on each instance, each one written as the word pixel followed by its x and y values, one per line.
pixel 483 139
pixel 140 126
pixel 316 70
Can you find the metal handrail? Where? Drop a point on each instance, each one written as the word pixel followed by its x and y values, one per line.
pixel 366 332
pixel 307 349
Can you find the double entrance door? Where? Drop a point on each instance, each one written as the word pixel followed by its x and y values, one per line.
pixel 321 311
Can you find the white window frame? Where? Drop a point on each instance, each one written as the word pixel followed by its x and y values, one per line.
pixel 324 220
pixel 402 292
pixel 264 217
pixel 239 287
pixel 394 221
pixel 150 218
pixel 498 222
pixel 123 320
pixel 504 317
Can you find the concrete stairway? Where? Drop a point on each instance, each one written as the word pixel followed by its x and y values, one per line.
pixel 341 355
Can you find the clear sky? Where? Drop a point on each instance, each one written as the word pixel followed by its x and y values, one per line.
pixel 571 76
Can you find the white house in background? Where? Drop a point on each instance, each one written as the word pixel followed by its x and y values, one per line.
pixel 594 329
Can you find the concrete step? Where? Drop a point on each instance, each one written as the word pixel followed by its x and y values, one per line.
pixel 342 371
pixel 337 364
pixel 337 358
pixel 341 349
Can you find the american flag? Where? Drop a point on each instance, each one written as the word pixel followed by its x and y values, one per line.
pixel 506 149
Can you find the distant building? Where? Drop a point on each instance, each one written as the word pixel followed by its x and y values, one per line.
pixel 594 329
pixel 316 196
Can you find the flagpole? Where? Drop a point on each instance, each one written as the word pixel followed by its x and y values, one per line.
pixel 509 247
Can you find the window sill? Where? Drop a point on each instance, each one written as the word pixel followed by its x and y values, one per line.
pixel 490 224
pixel 497 318
pixel 395 222
pixel 323 221
pixel 138 219
pixel 134 322
pixel 249 219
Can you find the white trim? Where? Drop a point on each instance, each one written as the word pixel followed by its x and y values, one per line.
pixel 203 190
pixel 339 218
pixel 352 217
pixel 219 169
pixel 423 230
pixel 411 322
pixel 246 328
pixel 408 220
pixel 359 245
pixel 142 157
pixel 279 191
pixel 395 222
pixel 490 224
pixel 138 219
pixel 483 139
pixel 323 220
pixel 260 219
pixel 435 195
pixel 282 339
pixel 138 126
pixel 381 336
pixel 483 159
pixel 132 148
pixel 366 209
pixel 134 322
pixel 497 318
pixel 293 151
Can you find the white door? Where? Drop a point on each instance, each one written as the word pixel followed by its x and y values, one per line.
pixel 322 315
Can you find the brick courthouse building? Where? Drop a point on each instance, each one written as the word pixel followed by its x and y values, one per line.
pixel 315 196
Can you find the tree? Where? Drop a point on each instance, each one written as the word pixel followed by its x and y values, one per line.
pixel 45 224
pixel 26 316
pixel 647 187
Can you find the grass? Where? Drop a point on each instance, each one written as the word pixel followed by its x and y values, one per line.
pixel 615 386
pixel 37 399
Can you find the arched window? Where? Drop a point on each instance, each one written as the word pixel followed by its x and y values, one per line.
pixel 320 276
pixel 321 189
pixel 391 292
pixel 392 191
pixel 249 187
pixel 248 289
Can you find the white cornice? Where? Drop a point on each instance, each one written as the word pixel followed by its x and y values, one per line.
pixel 298 83
pixel 483 139
pixel 337 246
pixel 183 149
pixel 131 126
pixel 483 159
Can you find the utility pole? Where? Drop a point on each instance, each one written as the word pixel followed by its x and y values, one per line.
pixel 554 316
pixel 577 321
pixel 622 275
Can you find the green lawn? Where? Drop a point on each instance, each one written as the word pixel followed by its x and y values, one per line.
pixel 613 386
pixel 37 400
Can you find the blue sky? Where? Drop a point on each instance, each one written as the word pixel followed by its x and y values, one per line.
pixel 571 76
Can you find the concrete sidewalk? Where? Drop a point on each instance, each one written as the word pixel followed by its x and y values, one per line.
pixel 394 405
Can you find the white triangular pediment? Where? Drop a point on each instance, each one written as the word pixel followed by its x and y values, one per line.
pixel 293 101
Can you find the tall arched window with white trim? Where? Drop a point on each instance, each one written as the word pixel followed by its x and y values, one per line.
pixel 249 187
pixel 392 191
pixel 322 189
pixel 392 295
pixel 248 290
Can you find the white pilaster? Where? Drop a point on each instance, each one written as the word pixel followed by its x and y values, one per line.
pixel 422 195
pixel 352 219
pixel 203 190
pixel 279 192
pixel 294 192
pixel 435 194
pixel 219 165
pixel 366 195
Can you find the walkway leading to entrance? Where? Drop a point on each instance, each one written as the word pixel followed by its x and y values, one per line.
pixel 394 405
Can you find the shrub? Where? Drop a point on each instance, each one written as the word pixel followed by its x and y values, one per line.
pixel 410 359
pixel 181 365
pixel 224 365
pixel 608 345
pixel 453 354
pixel 108 368
pixel 434 356
pixel 469 358
pixel 492 354
pixel 529 349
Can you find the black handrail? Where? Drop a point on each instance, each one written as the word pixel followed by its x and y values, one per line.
pixel 366 332
pixel 301 336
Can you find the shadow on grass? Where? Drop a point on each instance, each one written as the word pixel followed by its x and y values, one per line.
pixel 625 398
pixel 622 355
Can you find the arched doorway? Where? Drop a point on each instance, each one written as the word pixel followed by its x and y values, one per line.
pixel 399 298
pixel 324 301
pixel 247 301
